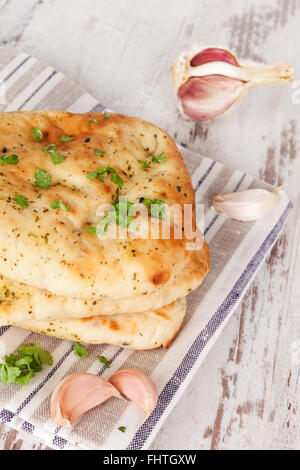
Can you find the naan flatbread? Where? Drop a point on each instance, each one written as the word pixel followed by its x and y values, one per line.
pixel 51 248
pixel 147 330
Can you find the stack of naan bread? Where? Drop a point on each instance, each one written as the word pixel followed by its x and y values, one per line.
pixel 58 278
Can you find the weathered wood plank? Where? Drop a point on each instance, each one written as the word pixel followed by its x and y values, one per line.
pixel 14 440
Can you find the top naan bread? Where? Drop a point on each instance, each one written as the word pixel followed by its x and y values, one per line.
pixel 51 248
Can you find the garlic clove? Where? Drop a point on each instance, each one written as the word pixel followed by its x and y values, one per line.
pixel 138 387
pixel 209 80
pixel 77 394
pixel 249 205
pixel 213 54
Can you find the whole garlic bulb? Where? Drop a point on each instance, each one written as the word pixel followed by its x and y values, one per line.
pixel 209 80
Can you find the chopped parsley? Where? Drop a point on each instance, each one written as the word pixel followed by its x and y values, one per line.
pixel 122 428
pixel 21 200
pixel 159 158
pixel 66 138
pixel 146 201
pixel 55 156
pixel 106 116
pixel 42 179
pixel 36 133
pixel 123 213
pixel 155 158
pixel 99 174
pixel 79 350
pixel 155 208
pixel 9 159
pixel 99 152
pixel 88 122
pixel 50 147
pixel 119 214
pixel 91 229
pixel 104 361
pixel 122 209
pixel 144 163
pixel 60 205
pixel 115 178
pixel 22 366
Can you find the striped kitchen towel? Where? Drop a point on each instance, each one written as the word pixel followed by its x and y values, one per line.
pixel 237 251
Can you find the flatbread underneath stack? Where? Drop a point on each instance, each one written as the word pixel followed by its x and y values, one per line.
pixel 144 330
pixel 21 302
pixel 52 269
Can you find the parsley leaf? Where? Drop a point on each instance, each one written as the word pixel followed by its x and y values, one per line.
pixel 21 367
pixel 106 116
pixel 99 152
pixel 144 163
pixel 21 200
pixel 8 374
pixel 45 357
pixel 122 209
pixel 40 356
pixel 122 428
pixel 60 205
pixel 119 214
pixel 159 158
pixel 92 175
pixel 66 138
pixel 88 122
pixel 79 350
pixel 55 156
pixel 24 379
pixel 10 360
pixel 9 159
pixel 24 361
pixel 155 208
pixel 36 133
pixel 99 174
pixel 105 221
pixel 117 180
pixel 91 230
pixel 158 208
pixel 42 179
pixel 147 202
pixel 104 361
pixel 50 147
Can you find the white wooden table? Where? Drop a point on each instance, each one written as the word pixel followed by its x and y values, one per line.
pixel 246 395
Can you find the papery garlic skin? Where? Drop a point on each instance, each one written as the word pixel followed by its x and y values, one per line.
pixel 138 387
pixel 209 80
pixel 77 394
pixel 246 206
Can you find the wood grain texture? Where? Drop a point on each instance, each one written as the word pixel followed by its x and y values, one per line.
pixel 246 394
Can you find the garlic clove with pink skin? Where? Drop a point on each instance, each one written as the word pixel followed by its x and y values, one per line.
pixel 137 387
pixel 77 394
pixel 249 205
pixel 209 80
